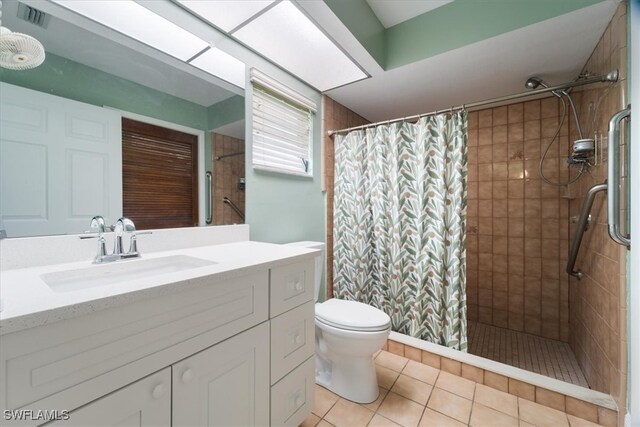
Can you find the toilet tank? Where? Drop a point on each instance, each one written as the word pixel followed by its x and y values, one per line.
pixel 319 262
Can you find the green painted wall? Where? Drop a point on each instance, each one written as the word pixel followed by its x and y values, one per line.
pixel 228 111
pixel 358 17
pixel 463 22
pixel 63 77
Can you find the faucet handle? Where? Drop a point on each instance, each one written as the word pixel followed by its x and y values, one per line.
pixel 133 248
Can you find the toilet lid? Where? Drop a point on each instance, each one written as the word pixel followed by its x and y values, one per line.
pixel 352 315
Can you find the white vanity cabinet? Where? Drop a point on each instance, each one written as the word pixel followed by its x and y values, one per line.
pixel 230 350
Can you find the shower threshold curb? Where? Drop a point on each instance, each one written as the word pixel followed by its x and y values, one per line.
pixel 575 391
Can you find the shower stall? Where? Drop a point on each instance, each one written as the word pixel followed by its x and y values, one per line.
pixel 531 164
pixel 530 167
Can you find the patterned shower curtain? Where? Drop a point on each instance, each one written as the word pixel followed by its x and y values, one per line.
pixel 399 224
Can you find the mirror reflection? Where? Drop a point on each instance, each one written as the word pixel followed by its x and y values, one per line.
pixel 109 126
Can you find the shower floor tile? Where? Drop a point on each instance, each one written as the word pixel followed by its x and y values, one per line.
pixel 536 354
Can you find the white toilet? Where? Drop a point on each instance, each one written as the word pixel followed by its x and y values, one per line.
pixel 348 333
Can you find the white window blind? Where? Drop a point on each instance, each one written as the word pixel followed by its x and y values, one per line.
pixel 282 133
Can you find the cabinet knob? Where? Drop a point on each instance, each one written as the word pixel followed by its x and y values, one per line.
pixel 298 401
pixel 158 391
pixel 297 339
pixel 187 375
pixel 298 286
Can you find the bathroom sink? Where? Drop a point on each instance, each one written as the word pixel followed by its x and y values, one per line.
pixel 120 271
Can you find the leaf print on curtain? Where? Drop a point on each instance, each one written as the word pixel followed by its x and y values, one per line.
pixel 399 224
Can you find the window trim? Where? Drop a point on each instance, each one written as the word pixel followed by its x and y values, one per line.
pixel 201 151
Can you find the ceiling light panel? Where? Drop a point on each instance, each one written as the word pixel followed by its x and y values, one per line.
pixel 222 65
pixel 226 14
pixel 138 22
pixel 284 35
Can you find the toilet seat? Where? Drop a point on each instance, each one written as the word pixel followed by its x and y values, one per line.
pixel 352 316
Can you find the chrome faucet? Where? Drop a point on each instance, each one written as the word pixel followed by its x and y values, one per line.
pixel 122 226
pixel 97 222
pixel 97 226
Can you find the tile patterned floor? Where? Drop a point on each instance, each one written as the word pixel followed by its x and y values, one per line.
pixel 536 354
pixel 417 395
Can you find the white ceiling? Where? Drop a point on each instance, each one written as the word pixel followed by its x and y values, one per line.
pixel 392 12
pixel 88 48
pixel 555 49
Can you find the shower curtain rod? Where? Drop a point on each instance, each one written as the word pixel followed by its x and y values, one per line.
pixel 612 76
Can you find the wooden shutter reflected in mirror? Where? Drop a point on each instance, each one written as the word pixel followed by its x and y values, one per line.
pixel 159 176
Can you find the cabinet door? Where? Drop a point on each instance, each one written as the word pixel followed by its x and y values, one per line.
pixel 225 385
pixel 146 402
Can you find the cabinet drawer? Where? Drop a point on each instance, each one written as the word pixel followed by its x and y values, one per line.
pixel 292 339
pixel 292 398
pixel 291 285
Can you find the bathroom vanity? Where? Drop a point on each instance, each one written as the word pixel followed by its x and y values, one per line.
pixel 207 335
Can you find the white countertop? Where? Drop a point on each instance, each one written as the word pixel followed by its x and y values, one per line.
pixel 28 301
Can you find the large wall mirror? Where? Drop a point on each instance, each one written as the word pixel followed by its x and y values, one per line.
pixel 110 126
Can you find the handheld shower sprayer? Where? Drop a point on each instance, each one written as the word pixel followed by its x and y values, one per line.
pixel 583 148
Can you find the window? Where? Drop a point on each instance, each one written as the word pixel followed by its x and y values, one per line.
pixel 282 128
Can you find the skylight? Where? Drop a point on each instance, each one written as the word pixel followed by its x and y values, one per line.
pixel 226 14
pixel 279 31
pixel 139 23
pixel 285 35
pixel 222 65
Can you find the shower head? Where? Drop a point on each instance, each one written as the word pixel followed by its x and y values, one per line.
pixel 612 76
pixel 534 82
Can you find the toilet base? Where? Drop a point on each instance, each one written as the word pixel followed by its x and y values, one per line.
pixel 353 379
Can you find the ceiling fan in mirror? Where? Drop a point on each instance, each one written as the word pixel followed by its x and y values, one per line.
pixel 19 51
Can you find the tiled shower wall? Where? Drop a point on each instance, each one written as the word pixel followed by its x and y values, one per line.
pixel 226 174
pixel 335 116
pixel 598 301
pixel 517 235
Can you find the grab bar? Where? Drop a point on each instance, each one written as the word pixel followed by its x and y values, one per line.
pixel 209 200
pixel 237 210
pixel 228 155
pixel 613 202
pixel 581 228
